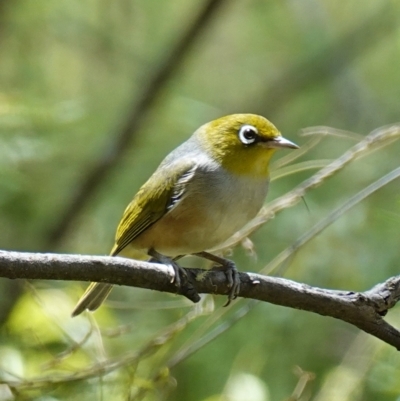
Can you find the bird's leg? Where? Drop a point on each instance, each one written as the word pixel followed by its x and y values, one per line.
pixel 179 271
pixel 181 279
pixel 231 272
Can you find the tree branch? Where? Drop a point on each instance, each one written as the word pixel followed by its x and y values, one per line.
pixel 126 133
pixel 362 309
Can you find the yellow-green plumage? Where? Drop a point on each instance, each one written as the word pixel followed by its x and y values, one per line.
pixel 220 139
pixel 148 206
pixel 201 194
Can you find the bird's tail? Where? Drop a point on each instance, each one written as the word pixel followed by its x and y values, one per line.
pixel 92 298
pixel 96 293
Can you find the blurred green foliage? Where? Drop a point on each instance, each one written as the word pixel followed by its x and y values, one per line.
pixel 69 74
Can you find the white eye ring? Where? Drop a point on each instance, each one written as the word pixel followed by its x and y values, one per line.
pixel 248 134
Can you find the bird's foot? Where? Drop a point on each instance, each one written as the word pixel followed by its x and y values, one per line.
pixel 181 279
pixel 231 273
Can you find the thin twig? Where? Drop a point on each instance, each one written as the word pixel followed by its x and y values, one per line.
pixel 377 138
pixel 108 365
pixel 328 220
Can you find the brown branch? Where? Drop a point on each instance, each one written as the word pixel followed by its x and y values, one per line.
pixel 362 309
pixel 141 105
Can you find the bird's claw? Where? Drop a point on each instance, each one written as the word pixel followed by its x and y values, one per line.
pixel 180 279
pixel 230 271
pixel 183 284
pixel 233 278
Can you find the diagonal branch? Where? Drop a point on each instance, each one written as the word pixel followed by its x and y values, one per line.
pixel 362 309
pixel 382 136
pixel 141 105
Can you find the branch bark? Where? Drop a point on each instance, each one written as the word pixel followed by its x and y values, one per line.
pixel 364 310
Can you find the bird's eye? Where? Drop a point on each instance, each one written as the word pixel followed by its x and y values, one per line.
pixel 248 134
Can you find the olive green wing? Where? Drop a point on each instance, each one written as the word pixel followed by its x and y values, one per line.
pixel 156 197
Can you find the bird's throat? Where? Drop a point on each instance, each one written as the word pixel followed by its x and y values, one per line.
pixel 254 163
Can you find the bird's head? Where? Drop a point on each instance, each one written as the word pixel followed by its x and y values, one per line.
pixel 242 143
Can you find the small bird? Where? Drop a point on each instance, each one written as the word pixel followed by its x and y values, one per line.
pixel 203 192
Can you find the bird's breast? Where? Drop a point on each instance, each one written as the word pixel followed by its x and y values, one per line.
pixel 214 206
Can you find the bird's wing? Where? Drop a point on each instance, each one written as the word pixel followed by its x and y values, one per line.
pixel 160 194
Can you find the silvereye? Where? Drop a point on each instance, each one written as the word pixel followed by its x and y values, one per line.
pixel 201 194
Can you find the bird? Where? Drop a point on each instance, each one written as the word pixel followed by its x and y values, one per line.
pixel 203 192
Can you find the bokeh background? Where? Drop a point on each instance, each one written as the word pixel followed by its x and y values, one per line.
pixel 93 94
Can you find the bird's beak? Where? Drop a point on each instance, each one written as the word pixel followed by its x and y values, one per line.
pixel 280 142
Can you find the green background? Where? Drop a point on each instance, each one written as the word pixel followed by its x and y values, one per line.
pixel 71 72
